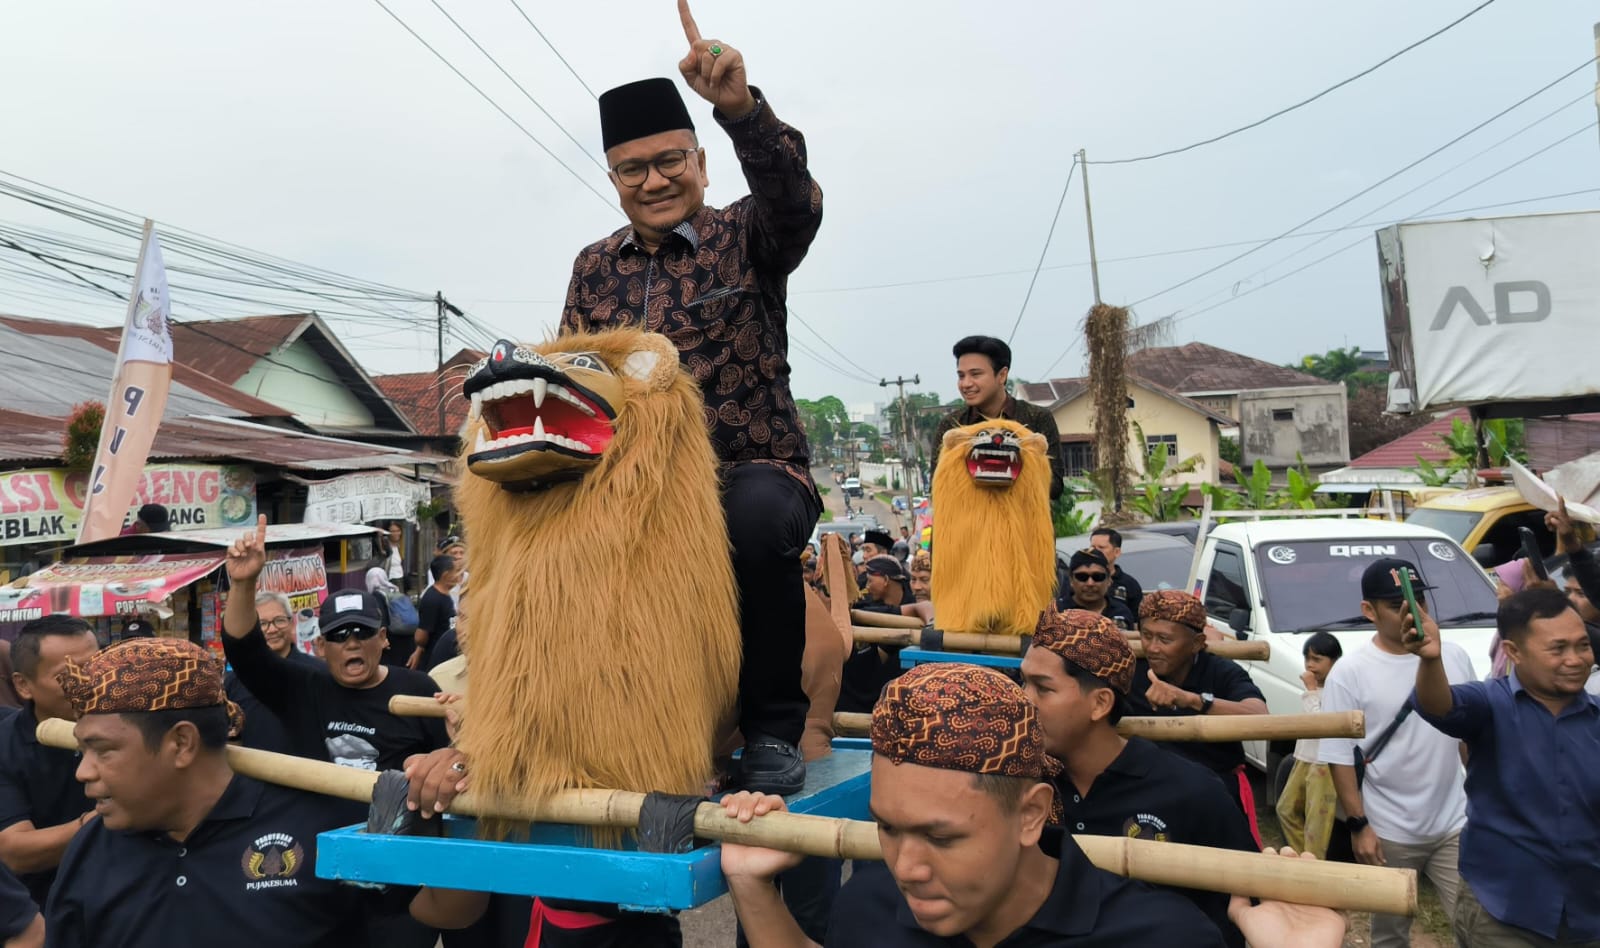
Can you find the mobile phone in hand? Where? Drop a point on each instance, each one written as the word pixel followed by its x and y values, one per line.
pixel 1530 550
pixel 1411 600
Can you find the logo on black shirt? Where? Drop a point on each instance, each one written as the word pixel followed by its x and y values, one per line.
pixel 271 862
pixel 1145 826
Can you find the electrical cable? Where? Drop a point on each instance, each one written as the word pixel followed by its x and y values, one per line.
pixel 1368 189
pixel 1303 102
pixel 508 117
pixel 1043 250
pixel 554 50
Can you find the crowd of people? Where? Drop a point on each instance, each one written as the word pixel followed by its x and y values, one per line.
pixel 979 781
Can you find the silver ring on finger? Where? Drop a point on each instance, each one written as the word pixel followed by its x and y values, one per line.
pixel 458 767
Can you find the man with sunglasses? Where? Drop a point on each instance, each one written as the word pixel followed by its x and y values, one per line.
pixel 715 281
pixel 1088 588
pixel 337 711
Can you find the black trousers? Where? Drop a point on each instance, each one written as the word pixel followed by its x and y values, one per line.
pixel 770 515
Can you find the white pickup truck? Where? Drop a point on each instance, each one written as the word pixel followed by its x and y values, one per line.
pixel 1280 580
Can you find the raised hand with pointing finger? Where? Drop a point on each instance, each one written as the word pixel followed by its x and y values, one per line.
pixel 248 555
pixel 714 70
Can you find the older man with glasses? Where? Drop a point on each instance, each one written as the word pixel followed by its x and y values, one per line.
pixel 715 281
pixel 1089 585
pixel 276 620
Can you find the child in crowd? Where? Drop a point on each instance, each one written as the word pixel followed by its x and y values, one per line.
pixel 1308 801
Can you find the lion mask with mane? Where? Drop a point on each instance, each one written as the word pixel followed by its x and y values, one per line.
pixel 605 640
pixel 994 553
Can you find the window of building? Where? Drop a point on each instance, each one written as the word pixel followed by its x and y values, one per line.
pixel 1283 414
pixel 1152 442
pixel 1078 458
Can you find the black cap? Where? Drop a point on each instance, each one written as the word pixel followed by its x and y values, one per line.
pixel 1088 557
pixel 352 608
pixel 155 517
pixel 134 627
pixel 880 538
pixel 1381 579
pixel 641 109
pixel 886 566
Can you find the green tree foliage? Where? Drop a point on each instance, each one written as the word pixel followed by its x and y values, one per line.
pixel 826 422
pixel 1341 365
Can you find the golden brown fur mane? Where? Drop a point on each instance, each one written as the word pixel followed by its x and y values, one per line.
pixel 993 548
pixel 605 638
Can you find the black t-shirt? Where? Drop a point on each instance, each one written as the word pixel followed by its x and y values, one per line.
pixel 1224 680
pixel 443 650
pixel 327 721
pixel 37 784
pixel 262 729
pixel 245 876
pixel 1087 908
pixel 1126 589
pixel 17 906
pixel 868 668
pixel 436 614
pixel 1147 793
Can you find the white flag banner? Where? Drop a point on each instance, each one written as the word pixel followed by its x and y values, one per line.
pixel 138 397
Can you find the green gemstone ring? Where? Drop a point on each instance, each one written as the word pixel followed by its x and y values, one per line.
pixel 716 50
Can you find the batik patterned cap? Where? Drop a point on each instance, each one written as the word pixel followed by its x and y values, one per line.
pixel 1090 641
pixel 958 717
pixel 148 675
pixel 1174 605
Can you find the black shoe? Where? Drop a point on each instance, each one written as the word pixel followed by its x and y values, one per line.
pixel 769 765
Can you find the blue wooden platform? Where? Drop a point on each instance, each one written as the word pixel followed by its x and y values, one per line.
pixel 553 864
pixel 918 656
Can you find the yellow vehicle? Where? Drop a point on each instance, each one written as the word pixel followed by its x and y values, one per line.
pixel 1484 520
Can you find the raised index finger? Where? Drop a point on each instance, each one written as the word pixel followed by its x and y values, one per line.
pixel 261 530
pixel 689 28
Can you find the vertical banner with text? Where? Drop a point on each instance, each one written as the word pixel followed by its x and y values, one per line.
pixel 138 398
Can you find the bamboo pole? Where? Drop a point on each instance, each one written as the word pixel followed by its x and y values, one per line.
pixel 883 620
pixel 1232 727
pixel 1194 727
pixel 1334 885
pixel 1256 650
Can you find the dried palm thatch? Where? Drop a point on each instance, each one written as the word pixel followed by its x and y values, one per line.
pixel 1106 332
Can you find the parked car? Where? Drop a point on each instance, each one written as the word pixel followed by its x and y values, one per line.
pixel 857 525
pixel 1484 521
pixel 852 487
pixel 1156 560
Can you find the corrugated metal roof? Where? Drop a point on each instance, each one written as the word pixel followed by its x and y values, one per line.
pixel 46 367
pixel 228 348
pixel 33 438
pixel 1425 442
pixel 1197 367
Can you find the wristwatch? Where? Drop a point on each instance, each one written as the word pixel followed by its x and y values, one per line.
pixel 1356 824
pixel 1207 699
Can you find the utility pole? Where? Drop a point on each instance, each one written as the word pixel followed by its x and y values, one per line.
pixel 1088 217
pixel 442 311
pixel 1597 67
pixel 905 434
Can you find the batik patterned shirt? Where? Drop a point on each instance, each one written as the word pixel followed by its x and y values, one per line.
pixel 717 287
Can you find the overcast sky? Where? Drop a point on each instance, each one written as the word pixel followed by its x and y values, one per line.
pixel 941 134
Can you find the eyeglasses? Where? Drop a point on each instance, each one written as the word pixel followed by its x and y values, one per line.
pixel 361 632
pixel 668 164
pixel 280 623
pixel 1090 577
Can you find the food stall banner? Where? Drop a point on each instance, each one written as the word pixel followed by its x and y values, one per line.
pixel 365 497
pixel 46 505
pixel 94 586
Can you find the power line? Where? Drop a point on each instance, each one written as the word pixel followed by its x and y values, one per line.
pixel 526 94
pixel 554 50
pixel 1065 185
pixel 1366 190
pixel 508 117
pixel 1351 246
pixel 1303 102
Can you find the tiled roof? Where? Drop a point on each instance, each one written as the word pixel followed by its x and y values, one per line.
pixel 1197 367
pixel 228 348
pixel 418 395
pixel 1425 442
pixel 1053 391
